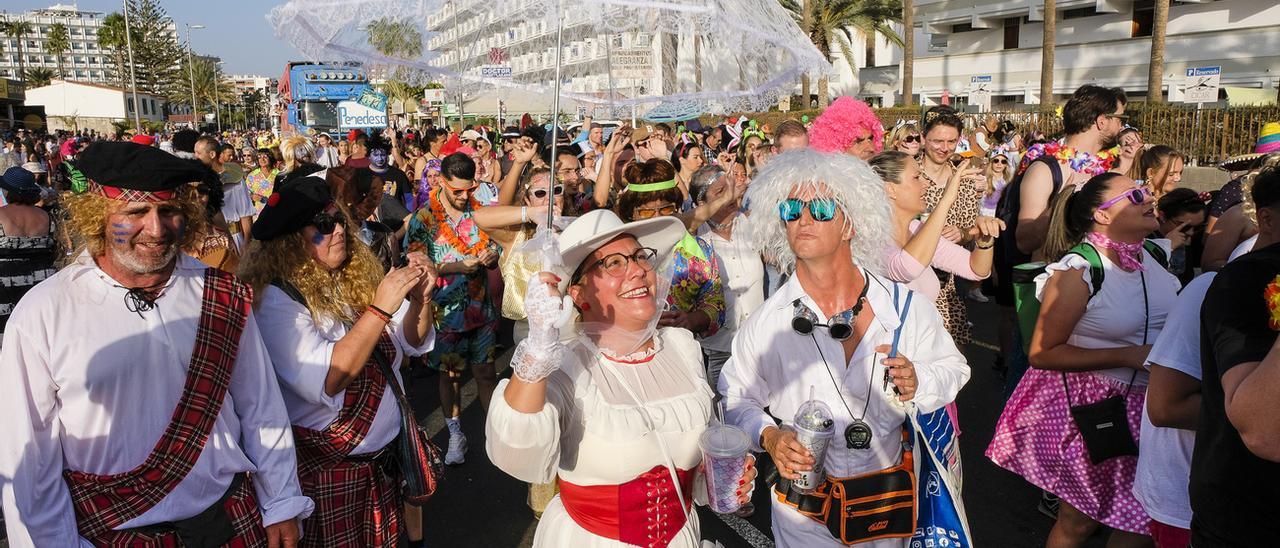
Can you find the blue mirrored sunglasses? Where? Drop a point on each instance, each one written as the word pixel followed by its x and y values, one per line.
pixel 821 209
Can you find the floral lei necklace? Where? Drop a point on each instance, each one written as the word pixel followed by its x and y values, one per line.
pixel 1272 295
pixel 1083 162
pixel 446 230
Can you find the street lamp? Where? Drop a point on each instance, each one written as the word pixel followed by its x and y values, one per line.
pixel 192 71
pixel 217 101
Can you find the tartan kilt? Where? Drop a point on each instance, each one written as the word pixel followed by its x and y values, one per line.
pixel 358 503
pixel 242 508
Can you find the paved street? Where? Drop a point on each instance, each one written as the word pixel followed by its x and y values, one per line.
pixel 479 505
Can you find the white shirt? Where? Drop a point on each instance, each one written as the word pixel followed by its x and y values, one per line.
pixel 742 274
pixel 1164 454
pixel 302 352
pixel 1114 317
pixel 773 366
pixel 1244 247
pixel 87 385
pixel 327 156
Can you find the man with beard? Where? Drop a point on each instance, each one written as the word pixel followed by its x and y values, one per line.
pixel 395 182
pixel 237 206
pixel 467 320
pixel 118 372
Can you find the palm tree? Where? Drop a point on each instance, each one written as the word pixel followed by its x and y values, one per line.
pixel 1155 69
pixel 401 39
pixel 834 23
pixel 38 77
pixel 58 43
pixel 908 52
pixel 111 37
pixel 1046 51
pixel 17 30
pixel 210 87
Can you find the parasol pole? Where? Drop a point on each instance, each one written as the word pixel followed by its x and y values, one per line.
pixel 608 60
pixel 555 113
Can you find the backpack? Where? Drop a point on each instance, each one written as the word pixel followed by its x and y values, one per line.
pixel 1027 305
pixel 1009 204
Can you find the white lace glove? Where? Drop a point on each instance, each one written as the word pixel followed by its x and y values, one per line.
pixel 539 354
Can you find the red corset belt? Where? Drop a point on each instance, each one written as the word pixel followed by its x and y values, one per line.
pixel 643 512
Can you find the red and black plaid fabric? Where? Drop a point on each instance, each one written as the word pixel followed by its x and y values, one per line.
pixel 317 448
pixel 103 502
pixel 131 195
pixel 241 507
pixel 358 505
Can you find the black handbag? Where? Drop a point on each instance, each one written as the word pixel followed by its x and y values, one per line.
pixel 1104 425
pixel 419 458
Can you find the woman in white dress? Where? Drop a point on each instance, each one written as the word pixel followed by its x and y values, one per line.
pixel 615 409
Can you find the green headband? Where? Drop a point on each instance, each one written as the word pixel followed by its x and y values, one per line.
pixel 652 187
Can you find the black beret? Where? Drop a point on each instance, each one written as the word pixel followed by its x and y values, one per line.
pixel 292 206
pixel 131 166
pixel 185 140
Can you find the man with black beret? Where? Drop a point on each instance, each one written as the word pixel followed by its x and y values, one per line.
pixel 137 400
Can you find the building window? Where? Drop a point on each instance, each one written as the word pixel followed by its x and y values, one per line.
pixel 1011 27
pixel 1144 15
pixel 1079 13
pixel 128 104
pixel 962 27
pixel 871 50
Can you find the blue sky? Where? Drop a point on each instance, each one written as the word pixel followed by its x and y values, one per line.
pixel 237 30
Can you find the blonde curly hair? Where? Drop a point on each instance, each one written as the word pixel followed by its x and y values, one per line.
pixel 89 213
pixel 340 295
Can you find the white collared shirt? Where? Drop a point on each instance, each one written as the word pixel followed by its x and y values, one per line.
pixel 742 274
pixel 773 366
pixel 302 350
pixel 87 385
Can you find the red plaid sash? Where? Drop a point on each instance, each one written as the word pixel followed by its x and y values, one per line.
pixel 358 504
pixel 317 448
pixel 103 502
pixel 242 509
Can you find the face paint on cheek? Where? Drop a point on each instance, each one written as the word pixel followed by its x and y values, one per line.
pixel 120 232
pixel 317 238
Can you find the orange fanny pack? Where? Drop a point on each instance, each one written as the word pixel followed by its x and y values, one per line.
pixel 874 506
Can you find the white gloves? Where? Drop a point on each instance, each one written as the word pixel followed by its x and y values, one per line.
pixel 539 354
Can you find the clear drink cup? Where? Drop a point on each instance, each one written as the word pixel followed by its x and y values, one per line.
pixel 814 427
pixel 724 456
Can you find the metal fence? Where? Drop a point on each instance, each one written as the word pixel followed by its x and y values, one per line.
pixel 1207 136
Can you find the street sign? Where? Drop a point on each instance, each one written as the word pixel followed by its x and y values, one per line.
pixel 582 112
pixel 352 115
pixel 784 103
pixel 433 96
pixel 1202 85
pixel 496 71
pixel 980 91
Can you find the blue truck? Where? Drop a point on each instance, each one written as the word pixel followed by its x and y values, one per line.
pixel 329 98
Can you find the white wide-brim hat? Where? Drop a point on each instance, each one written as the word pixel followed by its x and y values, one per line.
pixel 587 233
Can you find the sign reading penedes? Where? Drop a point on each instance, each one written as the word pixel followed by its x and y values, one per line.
pixel 353 114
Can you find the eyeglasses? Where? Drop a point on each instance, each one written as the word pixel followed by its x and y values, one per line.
pixel 911 139
pixel 1136 196
pixel 822 209
pixel 615 264
pixel 541 193
pixel 1118 116
pixel 651 212
pixel 326 222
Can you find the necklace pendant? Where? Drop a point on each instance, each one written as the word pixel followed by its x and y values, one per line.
pixel 858 435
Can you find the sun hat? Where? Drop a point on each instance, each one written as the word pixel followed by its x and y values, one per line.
pixel 34 167
pixel 19 180
pixel 1268 142
pixel 471 135
pixel 596 228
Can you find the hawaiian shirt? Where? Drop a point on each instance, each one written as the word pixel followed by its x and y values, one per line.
pixel 695 284
pixel 462 300
pixel 260 184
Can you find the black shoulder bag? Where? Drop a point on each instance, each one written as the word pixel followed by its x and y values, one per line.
pixel 1104 425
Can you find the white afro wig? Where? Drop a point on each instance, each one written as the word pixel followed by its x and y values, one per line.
pixel 858 192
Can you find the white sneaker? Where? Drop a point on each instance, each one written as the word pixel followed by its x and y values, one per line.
pixel 976 295
pixel 457 448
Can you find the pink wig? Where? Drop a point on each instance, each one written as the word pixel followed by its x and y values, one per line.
pixel 844 121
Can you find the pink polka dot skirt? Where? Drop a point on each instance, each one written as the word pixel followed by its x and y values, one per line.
pixel 1037 439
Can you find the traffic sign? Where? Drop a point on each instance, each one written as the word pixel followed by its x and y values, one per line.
pixel 1202 85
pixel 980 91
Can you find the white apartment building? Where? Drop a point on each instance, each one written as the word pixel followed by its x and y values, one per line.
pixel 485 40
pixel 1103 42
pixel 82 105
pixel 84 62
pixel 248 83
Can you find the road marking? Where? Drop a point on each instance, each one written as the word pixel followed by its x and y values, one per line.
pixel 746 531
pixel 986 345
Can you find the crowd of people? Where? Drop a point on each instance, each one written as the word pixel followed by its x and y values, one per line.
pixel 204 333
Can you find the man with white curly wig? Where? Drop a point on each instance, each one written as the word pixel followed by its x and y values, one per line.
pixel 827 334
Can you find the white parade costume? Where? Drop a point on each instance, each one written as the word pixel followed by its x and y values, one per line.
pixel 87 385
pixel 773 366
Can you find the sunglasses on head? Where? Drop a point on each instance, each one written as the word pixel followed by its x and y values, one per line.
pixel 326 222
pixel 821 209
pixel 1136 196
pixel 541 193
